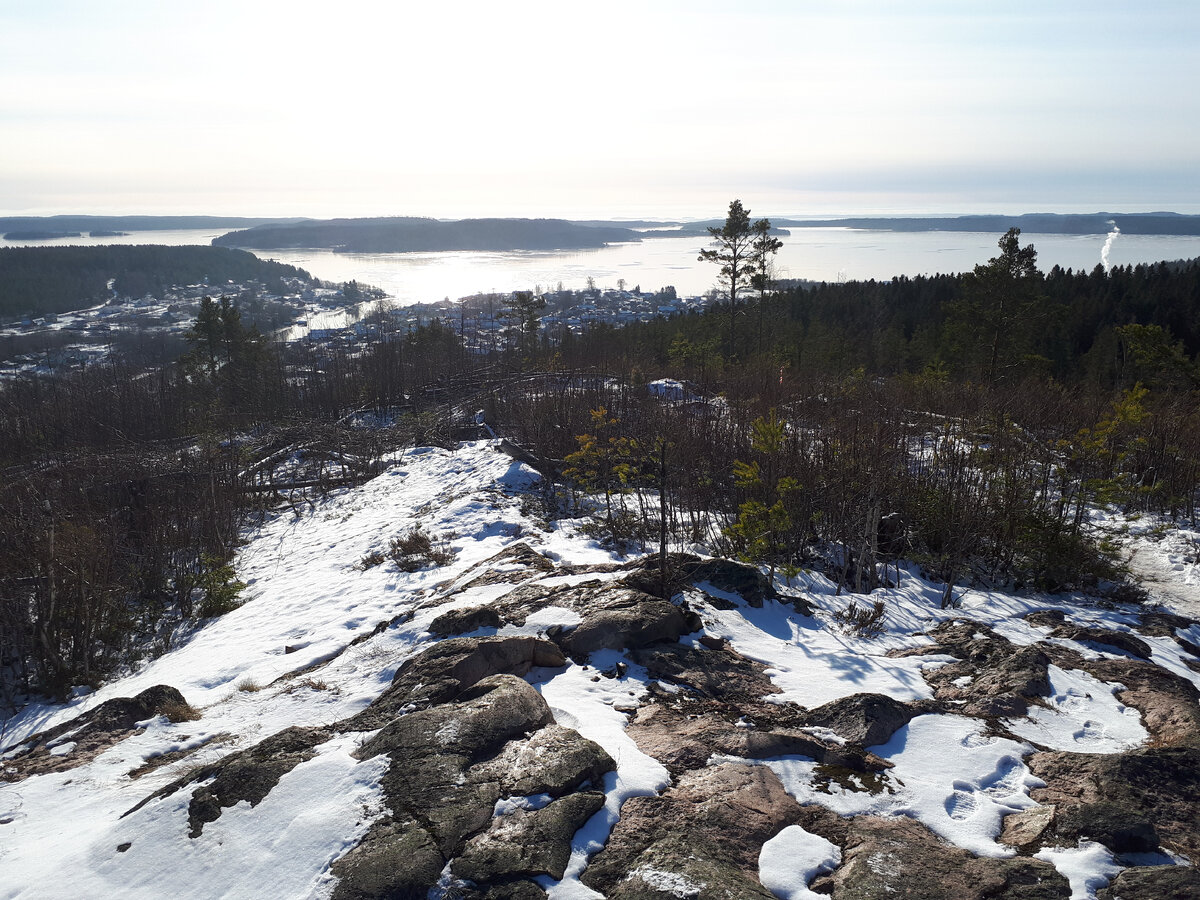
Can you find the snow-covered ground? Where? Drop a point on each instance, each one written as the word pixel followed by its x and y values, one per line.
pixel 309 596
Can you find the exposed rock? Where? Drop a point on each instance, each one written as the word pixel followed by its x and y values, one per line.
pixel 703 835
pixel 1129 802
pixel 512 890
pixel 720 674
pixel 460 621
pixel 91 733
pixel 1102 638
pixel 900 858
pixel 1163 624
pixel 449 765
pixel 1003 677
pixel 1024 829
pixel 397 858
pixel 512 565
pixel 1154 883
pixel 552 761
pixel 747 581
pixel 248 774
pixel 864 719
pixel 685 741
pixel 527 842
pixel 449 667
pixel 174 756
pixel 1046 618
pixel 620 618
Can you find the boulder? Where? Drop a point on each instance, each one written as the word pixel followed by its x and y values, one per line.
pixel 92 732
pixel 703 835
pixel 449 765
pixel 1024 830
pixel 553 760
pixel 446 668
pixel 864 719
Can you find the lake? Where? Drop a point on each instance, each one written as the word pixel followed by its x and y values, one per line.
pixel 821 254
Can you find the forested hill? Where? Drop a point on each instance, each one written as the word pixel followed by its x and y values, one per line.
pixel 79 224
pixel 410 234
pixel 39 280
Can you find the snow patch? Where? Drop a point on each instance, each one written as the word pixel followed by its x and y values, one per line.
pixel 1082 715
pixel 789 862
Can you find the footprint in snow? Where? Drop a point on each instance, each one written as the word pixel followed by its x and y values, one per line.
pixel 962 803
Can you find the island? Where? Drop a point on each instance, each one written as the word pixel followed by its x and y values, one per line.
pixel 410 234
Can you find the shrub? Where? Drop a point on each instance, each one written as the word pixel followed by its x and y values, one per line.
pixel 220 587
pixel 866 623
pixel 416 549
pixel 371 560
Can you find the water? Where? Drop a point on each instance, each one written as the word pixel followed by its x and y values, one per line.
pixel 821 254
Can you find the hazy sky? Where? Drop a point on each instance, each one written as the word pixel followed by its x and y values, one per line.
pixel 608 109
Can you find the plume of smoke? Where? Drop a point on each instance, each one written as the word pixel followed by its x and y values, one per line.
pixel 1108 242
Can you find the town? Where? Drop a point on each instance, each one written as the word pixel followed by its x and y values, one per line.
pixel 153 329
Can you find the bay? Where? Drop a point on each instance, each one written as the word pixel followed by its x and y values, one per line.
pixel 819 254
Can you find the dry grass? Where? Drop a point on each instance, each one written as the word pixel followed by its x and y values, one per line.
pixel 249 685
pixel 180 712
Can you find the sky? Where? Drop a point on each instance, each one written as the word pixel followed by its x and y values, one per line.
pixel 620 109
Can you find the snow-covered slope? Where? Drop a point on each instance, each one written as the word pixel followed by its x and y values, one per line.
pixel 322 636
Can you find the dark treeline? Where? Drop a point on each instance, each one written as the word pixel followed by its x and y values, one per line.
pixel 412 234
pixel 67 223
pixel 40 280
pixel 1107 329
pixel 965 423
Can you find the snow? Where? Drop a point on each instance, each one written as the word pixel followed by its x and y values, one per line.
pixel 1082 713
pixel 963 803
pixel 790 861
pixel 1087 868
pixel 308 599
pixel 590 707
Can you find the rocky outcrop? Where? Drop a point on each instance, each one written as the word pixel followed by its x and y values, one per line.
pixel 445 669
pixel 1169 703
pixel 1154 883
pixel 527 843
pixel 450 763
pixel 1132 802
pixel 717 672
pixel 87 736
pixel 886 859
pixel 702 837
pixel 994 678
pixel 865 719
pixel 245 775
